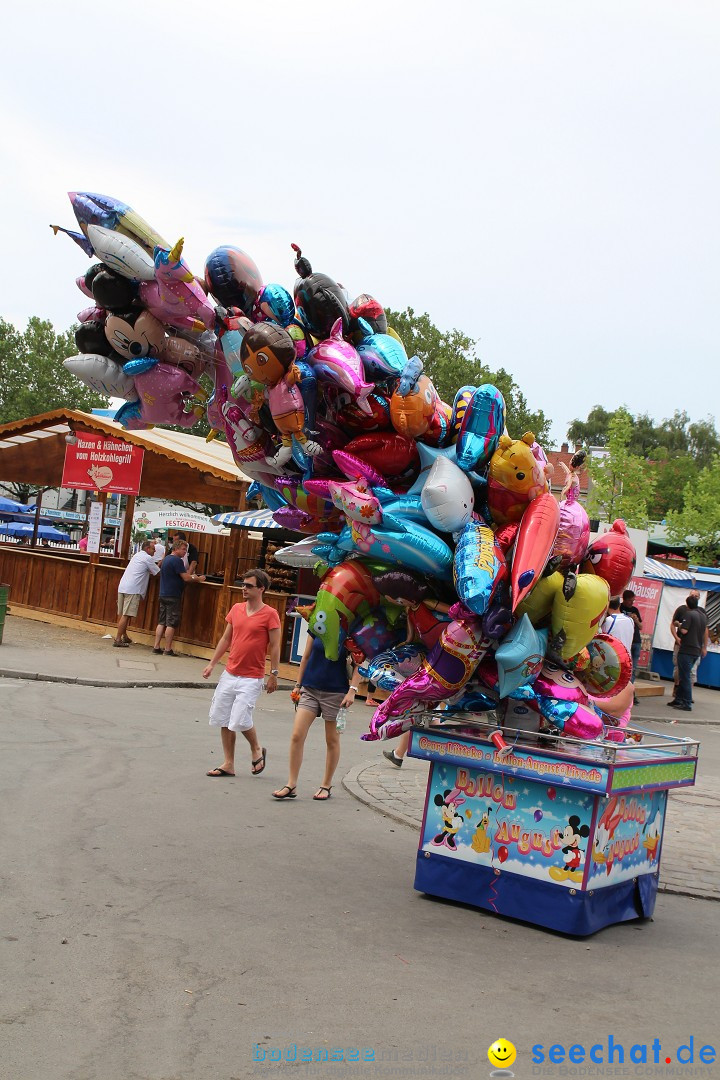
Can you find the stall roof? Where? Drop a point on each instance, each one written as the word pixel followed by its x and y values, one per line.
pixel 177 464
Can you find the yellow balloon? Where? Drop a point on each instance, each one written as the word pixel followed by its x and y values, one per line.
pixel 578 619
pixel 394 333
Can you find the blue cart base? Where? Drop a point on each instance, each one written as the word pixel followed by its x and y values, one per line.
pixel 569 911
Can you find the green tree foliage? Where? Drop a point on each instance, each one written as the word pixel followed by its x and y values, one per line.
pixel 32 378
pixel 697 524
pixel 450 359
pixel 621 484
pixel 676 449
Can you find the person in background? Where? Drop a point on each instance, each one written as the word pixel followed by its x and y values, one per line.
pixel 252 631
pixel 83 542
pixel 675 623
pixel 173 577
pixel 693 635
pixel 192 555
pixel 160 548
pixel 627 607
pixel 618 625
pixel 323 689
pixel 132 588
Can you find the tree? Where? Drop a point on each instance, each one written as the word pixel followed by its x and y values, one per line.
pixel 621 483
pixel 671 475
pixel 593 431
pixel 697 525
pixel 450 359
pixel 32 378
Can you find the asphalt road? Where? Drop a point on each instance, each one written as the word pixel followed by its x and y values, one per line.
pixel 159 925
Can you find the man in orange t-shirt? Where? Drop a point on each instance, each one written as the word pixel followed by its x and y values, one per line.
pixel 253 630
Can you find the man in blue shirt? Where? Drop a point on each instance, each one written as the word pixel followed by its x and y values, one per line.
pixel 173 576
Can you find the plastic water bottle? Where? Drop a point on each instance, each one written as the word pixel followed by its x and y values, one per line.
pixel 341 720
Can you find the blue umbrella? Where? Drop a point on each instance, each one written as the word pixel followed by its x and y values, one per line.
pixel 12 506
pixel 45 532
pixel 5 515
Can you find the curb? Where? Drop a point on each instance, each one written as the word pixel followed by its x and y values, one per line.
pixel 118 684
pixel 351 783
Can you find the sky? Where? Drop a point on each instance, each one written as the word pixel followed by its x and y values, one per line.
pixel 539 174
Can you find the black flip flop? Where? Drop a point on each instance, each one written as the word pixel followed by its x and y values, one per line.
pixel 217 772
pixel 319 798
pixel 256 772
pixel 291 793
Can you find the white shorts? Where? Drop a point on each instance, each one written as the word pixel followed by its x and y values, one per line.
pixel 234 701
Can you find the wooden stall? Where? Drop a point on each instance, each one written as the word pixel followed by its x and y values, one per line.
pixel 81 590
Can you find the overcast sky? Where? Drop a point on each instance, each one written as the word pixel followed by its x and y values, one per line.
pixel 541 175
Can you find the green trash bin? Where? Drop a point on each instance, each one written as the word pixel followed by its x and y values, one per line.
pixel 4 594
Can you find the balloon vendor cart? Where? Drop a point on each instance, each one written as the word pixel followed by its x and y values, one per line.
pixel 566 834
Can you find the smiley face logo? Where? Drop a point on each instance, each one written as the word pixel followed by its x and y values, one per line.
pixel 502 1054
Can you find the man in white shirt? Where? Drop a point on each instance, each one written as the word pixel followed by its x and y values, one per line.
pixel 159 549
pixel 618 625
pixel 133 586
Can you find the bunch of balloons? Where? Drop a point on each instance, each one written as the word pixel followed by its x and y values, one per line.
pixel 451 572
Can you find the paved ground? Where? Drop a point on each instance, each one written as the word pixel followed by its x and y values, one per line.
pixel 159 925
pixel 691 848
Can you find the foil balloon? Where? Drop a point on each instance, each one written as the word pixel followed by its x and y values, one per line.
pixel 520 656
pixel 345 592
pixel 93 209
pixel 90 337
pixel 388 452
pixel 175 297
pixel 573 533
pixel 275 304
pixel 538 604
pixel 382 354
pixel 112 291
pixel 233 278
pixel 573 719
pixel 336 361
pixel 479 566
pixel 369 309
pixel 444 672
pixel 482 424
pixel 612 556
pixel 319 300
pixel 267 355
pixel 135 334
pixel 575 620
pixel 168 395
pixel 103 374
pixel 421 413
pixel 515 478
pixel 389 669
pixel 447 497
pixel 609 667
pixel 355 419
pixel 533 545
pixel 121 254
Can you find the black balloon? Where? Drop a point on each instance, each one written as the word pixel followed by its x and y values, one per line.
pixel 111 291
pixel 90 338
pixel 233 278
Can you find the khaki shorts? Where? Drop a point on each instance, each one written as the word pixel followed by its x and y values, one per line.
pixel 170 611
pixel 321 703
pixel 128 603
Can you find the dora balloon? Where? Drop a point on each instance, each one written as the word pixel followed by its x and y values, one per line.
pixel 267 356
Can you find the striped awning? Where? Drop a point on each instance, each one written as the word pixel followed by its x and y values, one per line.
pixel 655 568
pixel 247 519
